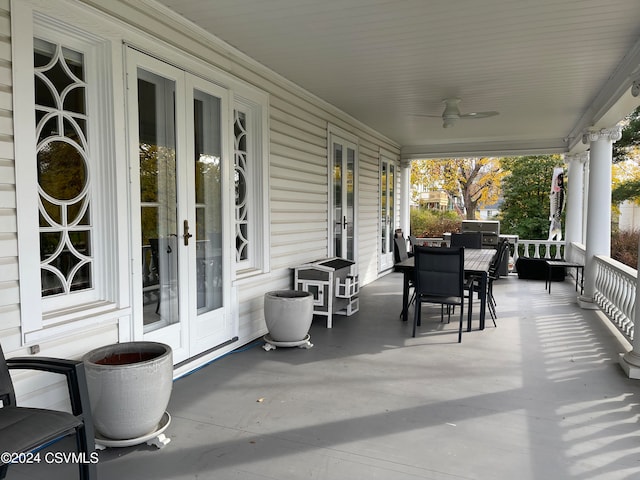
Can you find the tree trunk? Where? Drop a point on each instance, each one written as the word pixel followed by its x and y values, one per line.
pixel 470 206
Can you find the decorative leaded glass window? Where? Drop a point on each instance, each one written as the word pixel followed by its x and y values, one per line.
pixel 64 200
pixel 250 135
pixel 241 176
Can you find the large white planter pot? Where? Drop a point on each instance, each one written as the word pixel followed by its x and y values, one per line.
pixel 129 387
pixel 288 314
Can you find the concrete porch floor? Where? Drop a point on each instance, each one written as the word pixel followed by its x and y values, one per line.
pixel 539 397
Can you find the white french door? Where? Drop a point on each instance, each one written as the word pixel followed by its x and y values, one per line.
pixel 343 181
pixel 179 176
pixel 387 211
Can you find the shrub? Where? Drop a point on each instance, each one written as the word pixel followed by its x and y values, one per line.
pixel 431 223
pixel 624 247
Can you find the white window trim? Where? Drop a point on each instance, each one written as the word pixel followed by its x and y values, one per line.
pixel 392 161
pixel 254 105
pixel 333 132
pixel 38 313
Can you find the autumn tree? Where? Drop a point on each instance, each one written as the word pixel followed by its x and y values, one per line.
pixel 425 176
pixel 477 181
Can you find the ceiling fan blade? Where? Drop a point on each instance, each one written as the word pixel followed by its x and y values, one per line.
pixel 479 114
pixel 452 113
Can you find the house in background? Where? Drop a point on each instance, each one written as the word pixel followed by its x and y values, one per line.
pixel 435 200
pixel 629 218
pixel 489 212
pixel 156 181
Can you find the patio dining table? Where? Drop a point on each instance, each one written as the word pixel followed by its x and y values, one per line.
pixel 476 263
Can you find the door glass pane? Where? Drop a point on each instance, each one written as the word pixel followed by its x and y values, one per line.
pixel 350 207
pixel 383 208
pixel 208 201
pixel 158 201
pixel 337 199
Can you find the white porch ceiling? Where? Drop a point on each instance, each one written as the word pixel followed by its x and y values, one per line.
pixel 550 67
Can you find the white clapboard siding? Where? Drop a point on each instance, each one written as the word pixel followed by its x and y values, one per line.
pixel 10 315
pixel 9 281
pixel 8 269
pixel 9 286
pixel 368 209
pixel 7 172
pixel 10 328
pixel 298 185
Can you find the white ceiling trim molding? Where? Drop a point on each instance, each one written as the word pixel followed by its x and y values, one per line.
pixel 486 149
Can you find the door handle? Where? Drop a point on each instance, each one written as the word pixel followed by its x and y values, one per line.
pixel 344 221
pixel 186 235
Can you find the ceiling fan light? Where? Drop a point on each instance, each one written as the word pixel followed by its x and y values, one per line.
pixel 451 108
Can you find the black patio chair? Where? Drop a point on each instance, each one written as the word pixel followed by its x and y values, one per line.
pixel 439 279
pixel 466 239
pixel 400 252
pixel 413 241
pixel 493 274
pixel 25 430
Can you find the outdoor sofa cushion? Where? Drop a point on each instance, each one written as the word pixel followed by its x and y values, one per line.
pixel 536 269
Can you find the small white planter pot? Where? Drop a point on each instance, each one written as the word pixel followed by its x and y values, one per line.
pixel 129 387
pixel 288 314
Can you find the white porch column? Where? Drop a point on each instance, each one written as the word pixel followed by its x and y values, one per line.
pixel 575 200
pixel 598 238
pixel 405 195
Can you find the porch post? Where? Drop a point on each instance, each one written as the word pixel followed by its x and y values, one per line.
pixel 598 238
pixel 405 188
pixel 575 200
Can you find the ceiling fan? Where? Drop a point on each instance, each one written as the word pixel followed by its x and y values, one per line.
pixel 452 113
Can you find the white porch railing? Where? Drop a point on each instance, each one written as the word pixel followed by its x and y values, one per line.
pixel 615 288
pixel 615 293
pixel 550 249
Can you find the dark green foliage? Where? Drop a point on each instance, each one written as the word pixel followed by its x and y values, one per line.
pixel 525 211
pixel 626 191
pixel 623 148
pixel 626 149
